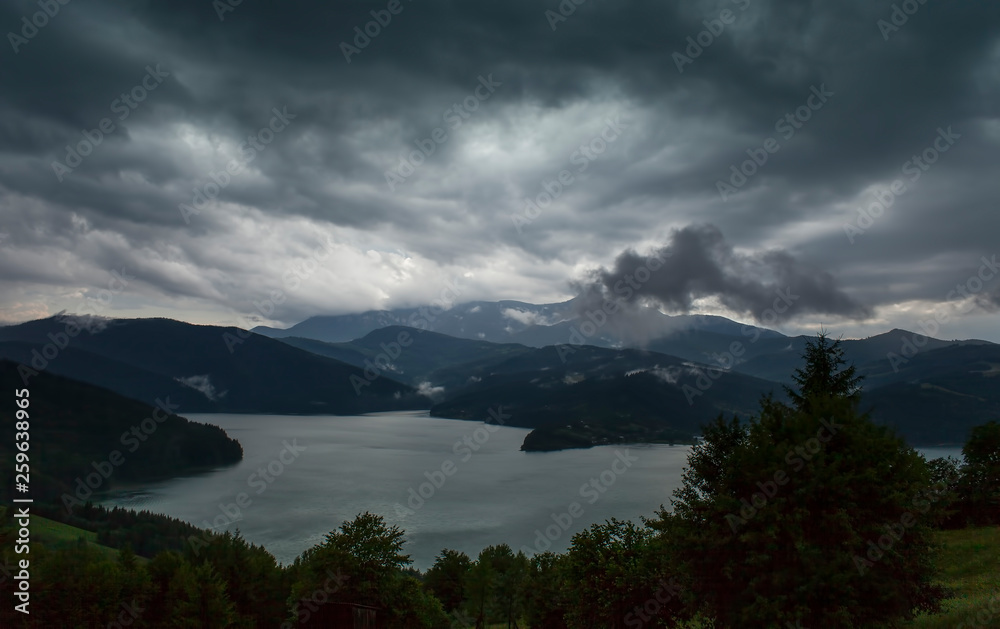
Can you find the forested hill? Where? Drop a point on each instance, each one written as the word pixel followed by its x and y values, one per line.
pixel 78 431
pixel 207 369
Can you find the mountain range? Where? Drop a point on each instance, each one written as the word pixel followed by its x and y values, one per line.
pixel 534 325
pixel 574 378
pixel 201 368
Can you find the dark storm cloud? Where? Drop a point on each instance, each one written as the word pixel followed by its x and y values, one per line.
pixel 891 92
pixel 698 263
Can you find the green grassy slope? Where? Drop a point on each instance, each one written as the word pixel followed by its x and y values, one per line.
pixel 54 534
pixel 969 563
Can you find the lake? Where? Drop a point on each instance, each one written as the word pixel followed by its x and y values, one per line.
pixel 447 483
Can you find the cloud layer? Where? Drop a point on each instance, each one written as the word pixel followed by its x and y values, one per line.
pixel 501 145
pixel 698 263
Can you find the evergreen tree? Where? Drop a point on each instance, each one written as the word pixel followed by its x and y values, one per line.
pixel 980 482
pixel 163 570
pixel 202 599
pixel 822 375
pixel 807 512
pixel 254 580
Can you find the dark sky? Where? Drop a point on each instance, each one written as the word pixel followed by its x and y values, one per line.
pixel 369 171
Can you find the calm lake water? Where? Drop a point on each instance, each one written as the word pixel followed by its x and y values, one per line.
pixel 470 498
pixel 301 477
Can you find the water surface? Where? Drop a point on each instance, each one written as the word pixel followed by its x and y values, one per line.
pixel 420 474
pixel 489 491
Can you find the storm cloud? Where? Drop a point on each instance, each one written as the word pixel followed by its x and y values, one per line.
pixel 699 263
pixel 348 157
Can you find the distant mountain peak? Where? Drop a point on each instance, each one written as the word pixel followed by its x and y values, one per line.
pixel 511 321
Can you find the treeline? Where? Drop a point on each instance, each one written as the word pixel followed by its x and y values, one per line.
pixel 145 533
pixel 227 583
pixel 85 439
pixel 809 514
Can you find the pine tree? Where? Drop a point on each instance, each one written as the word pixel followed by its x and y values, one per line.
pixel 806 512
pixel 203 600
pixel 822 375
pixel 980 482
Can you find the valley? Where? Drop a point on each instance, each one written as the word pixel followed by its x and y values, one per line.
pixel 659 390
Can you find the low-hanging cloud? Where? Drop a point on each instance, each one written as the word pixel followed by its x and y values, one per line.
pixel 699 263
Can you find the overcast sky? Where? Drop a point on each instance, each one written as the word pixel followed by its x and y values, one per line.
pixel 370 170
